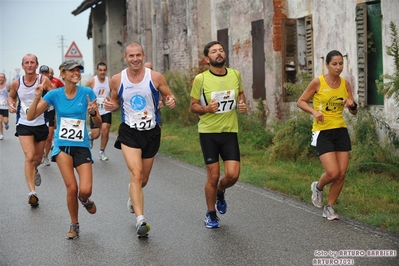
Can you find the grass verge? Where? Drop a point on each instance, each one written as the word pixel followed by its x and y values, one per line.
pixel 368 195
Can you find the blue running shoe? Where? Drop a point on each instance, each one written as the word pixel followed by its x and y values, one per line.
pixel 211 220
pixel 221 204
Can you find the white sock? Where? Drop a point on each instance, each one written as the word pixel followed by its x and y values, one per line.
pixel 140 218
pixel 32 192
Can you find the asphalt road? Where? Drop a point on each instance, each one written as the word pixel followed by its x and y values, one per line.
pixel 261 227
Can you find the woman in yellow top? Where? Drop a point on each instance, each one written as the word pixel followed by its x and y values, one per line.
pixel 330 94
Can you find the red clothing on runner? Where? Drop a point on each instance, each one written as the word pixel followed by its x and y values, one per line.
pixel 57 82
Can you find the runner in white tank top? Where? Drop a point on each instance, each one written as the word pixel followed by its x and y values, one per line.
pixel 26 94
pixel 32 134
pixel 136 90
pixel 3 93
pixel 3 104
pixel 100 86
pixel 102 90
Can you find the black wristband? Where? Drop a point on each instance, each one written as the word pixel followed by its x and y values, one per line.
pixel 354 107
pixel 95 113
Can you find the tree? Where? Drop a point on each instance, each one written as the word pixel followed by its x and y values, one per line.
pixel 390 84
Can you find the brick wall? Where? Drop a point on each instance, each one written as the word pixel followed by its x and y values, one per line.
pixel 277 27
pixel 181 28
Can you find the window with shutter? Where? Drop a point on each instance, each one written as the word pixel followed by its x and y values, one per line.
pixel 361 31
pixel 369 52
pixel 223 38
pixel 289 54
pixel 103 44
pixel 258 59
pixel 297 52
pixel 309 44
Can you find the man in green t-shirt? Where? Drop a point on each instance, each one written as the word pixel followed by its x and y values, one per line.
pixel 215 96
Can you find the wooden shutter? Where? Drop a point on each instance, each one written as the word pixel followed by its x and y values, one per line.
pixel 290 53
pixel 309 44
pixel 361 32
pixel 258 59
pixel 223 38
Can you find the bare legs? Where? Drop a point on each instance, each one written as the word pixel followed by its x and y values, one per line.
pixel 139 170
pixel 49 141
pixel 33 157
pixel 335 165
pixel 104 132
pixel 213 184
pixel 83 190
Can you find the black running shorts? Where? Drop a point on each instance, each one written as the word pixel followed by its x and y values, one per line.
pixel 330 140
pixel 106 118
pixel 80 155
pixel 49 117
pixel 4 112
pixel 147 140
pixel 39 132
pixel 224 144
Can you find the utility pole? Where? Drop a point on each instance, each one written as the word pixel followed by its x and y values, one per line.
pixel 62 47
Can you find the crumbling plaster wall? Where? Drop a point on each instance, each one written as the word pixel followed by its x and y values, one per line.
pixel 181 28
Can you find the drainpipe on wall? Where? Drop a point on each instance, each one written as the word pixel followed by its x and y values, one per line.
pixel 154 35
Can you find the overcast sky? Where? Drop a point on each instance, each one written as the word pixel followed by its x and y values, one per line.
pixel 37 26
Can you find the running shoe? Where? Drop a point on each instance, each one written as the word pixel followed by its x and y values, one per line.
pixel 46 161
pixel 103 156
pixel 73 231
pixel 1 136
pixel 38 178
pixel 211 220
pixel 6 126
pixel 129 201
pixel 89 205
pixel 33 200
pixel 221 204
pixel 317 195
pixel 91 141
pixel 142 228
pixel 130 205
pixel 329 213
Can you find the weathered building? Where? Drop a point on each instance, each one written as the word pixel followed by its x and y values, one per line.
pixel 269 41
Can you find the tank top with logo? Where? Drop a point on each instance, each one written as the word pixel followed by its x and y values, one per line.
pixel 139 102
pixel 102 90
pixel 329 102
